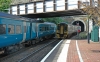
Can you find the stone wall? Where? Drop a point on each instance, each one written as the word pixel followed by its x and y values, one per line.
pixel 83 19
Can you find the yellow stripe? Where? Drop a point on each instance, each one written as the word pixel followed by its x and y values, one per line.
pixel 61 31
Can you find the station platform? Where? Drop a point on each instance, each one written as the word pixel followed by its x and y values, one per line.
pixel 74 51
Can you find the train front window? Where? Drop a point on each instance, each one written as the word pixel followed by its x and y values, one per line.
pixel 43 28
pixel 65 27
pixel 2 29
pixel 40 29
pixel 58 27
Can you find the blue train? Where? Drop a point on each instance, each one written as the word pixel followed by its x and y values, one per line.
pixel 16 30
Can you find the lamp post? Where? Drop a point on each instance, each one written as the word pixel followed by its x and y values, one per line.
pixel 88 32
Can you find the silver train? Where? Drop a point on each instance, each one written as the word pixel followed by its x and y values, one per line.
pixel 65 30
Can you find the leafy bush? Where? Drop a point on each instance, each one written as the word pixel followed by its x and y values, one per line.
pixel 83 35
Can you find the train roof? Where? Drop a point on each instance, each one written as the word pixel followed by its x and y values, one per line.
pixel 63 23
pixel 49 22
pixel 6 15
pixel 37 21
pixel 2 14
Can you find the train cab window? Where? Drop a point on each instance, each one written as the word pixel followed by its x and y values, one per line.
pixel 52 28
pixel 11 29
pixel 2 29
pixel 65 27
pixel 18 29
pixel 25 29
pixel 40 29
pixel 45 28
pixel 58 27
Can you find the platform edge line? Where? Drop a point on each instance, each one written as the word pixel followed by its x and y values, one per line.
pixel 50 52
pixel 78 51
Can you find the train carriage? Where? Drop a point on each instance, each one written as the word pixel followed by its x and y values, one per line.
pixel 12 31
pixel 65 30
pixel 16 30
pixel 45 30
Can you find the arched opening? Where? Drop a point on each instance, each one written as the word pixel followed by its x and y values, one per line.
pixel 80 24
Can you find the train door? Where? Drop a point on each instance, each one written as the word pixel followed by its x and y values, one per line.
pixel 24 31
pixel 34 30
pixel 61 30
pixel 27 30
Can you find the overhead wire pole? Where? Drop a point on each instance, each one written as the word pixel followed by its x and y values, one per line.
pixel 88 14
pixel 88 31
pixel 93 12
pixel 91 4
pixel 88 37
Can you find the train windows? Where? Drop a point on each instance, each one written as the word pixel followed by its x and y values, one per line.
pixel 65 27
pixel 25 29
pixel 40 29
pixel 2 29
pixel 52 28
pixel 58 27
pixel 11 29
pixel 45 28
pixel 18 29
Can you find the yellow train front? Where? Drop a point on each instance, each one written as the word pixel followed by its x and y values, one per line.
pixel 65 30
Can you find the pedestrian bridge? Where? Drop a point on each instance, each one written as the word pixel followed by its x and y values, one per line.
pixel 46 8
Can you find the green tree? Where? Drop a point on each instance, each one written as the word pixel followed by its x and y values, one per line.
pixel 4 5
pixel 92 11
pixel 55 20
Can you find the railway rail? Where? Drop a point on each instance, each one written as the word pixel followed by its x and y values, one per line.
pixel 33 53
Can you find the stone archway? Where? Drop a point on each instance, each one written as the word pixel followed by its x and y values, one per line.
pixel 81 23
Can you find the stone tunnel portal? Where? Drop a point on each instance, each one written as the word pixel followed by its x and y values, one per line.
pixel 80 24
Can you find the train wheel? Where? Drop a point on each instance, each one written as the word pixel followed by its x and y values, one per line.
pixel 41 39
pixel 19 46
pixel 28 44
pixel 33 42
pixel 6 51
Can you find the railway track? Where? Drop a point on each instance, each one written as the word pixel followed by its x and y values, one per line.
pixel 33 53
